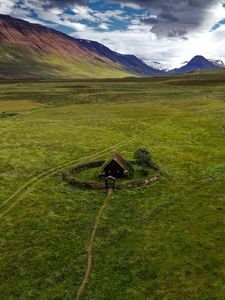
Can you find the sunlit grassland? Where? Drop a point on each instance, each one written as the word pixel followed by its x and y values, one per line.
pixel 164 241
pixel 18 105
pixel 19 62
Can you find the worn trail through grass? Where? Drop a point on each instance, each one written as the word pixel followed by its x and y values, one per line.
pixel 90 247
pixel 50 245
pixel 15 198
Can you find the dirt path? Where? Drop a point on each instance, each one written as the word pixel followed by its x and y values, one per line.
pixel 18 196
pixel 90 247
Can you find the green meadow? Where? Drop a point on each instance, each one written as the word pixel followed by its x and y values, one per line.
pixel 162 241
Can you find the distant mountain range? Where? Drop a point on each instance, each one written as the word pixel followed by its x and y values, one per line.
pixel 34 51
pixel 198 63
pixel 30 50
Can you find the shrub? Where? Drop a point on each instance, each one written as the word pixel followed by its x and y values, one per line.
pixel 4 115
pixel 131 169
pixel 144 172
pixel 143 157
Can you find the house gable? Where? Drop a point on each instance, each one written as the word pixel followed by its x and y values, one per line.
pixel 116 166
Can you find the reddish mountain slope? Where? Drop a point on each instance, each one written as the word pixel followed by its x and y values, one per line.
pixel 32 50
pixel 39 38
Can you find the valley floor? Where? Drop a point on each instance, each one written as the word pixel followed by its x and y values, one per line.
pixel 164 241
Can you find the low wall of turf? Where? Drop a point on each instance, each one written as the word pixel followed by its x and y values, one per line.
pixel 70 177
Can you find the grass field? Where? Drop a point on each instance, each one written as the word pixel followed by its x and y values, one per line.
pixel 164 241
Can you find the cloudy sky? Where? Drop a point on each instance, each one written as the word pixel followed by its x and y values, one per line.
pixel 166 31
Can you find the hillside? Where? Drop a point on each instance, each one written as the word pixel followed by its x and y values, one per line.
pixel 35 51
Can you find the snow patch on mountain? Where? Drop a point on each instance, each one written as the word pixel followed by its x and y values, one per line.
pixel 218 62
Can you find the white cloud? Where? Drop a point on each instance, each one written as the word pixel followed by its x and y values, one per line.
pixel 52 15
pixel 131 5
pixel 6 6
pixel 83 13
pixel 103 26
pixel 78 26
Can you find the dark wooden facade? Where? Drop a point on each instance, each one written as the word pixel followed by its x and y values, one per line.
pixel 116 167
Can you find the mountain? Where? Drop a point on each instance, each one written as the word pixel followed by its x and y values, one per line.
pixel 217 62
pixel 30 50
pixel 197 63
pixel 130 62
